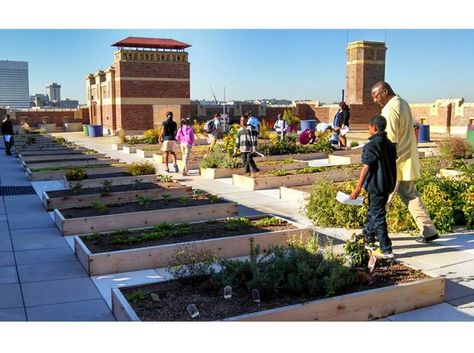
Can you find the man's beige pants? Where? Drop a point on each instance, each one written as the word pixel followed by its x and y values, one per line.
pixel 408 194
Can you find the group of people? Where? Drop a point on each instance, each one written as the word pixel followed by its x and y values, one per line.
pixel 391 165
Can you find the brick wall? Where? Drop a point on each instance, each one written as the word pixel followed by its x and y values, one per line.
pixel 33 118
pixel 152 69
pixel 154 89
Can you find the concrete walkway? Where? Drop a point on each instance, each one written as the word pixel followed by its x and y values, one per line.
pixel 40 278
pixel 34 292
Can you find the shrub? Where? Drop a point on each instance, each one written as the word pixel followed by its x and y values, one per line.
pixel 456 148
pixel 141 168
pixel 290 117
pixel 220 160
pixel 75 174
pixel 151 136
pixel 300 269
pixel 468 206
pixel 76 187
pixel 356 253
pixel 60 140
pixel 190 263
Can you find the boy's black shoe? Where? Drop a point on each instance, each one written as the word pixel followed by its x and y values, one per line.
pixel 368 239
pixel 424 240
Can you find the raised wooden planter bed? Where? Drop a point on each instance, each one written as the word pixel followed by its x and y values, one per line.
pixel 126 193
pixel 269 182
pixel 73 163
pixel 53 152
pixel 104 223
pixel 215 173
pixel 59 157
pixel 160 255
pixel 130 149
pixel 144 153
pixel 59 174
pixel 347 159
pixel 296 157
pixel 117 147
pixel 95 181
pixel 359 306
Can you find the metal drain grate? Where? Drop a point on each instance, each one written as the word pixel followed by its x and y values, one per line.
pixel 16 190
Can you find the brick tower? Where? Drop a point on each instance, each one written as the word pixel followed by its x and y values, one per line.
pixel 365 65
pixel 148 77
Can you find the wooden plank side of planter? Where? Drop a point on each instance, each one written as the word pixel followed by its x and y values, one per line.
pixel 131 149
pixel 123 180
pixel 121 309
pixel 250 183
pixel 293 195
pixel 110 198
pixel 61 157
pixel 59 174
pixel 73 163
pixel 215 173
pixel 117 147
pixel 160 256
pixel 347 159
pixel 361 306
pixel 143 218
pixel 50 153
pixel 144 154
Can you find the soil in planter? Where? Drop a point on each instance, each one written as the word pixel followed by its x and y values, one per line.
pixel 114 188
pixel 176 295
pixel 136 207
pixel 122 240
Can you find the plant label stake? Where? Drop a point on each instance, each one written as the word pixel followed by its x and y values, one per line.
pixel 192 310
pixel 372 262
pixel 227 292
pixel 256 296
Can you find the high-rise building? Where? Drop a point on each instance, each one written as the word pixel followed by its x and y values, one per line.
pixel 14 86
pixel 53 90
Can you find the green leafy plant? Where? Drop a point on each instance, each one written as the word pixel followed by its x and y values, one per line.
pixel 220 160
pixel 107 186
pixel 165 178
pixel 468 206
pixel 144 201
pixel 141 168
pixel 184 200
pixel 234 223
pixel 279 172
pixel 354 144
pixel 290 117
pixel 268 222
pixel 138 183
pixel 167 197
pixel 75 174
pixel 76 188
pixel 214 198
pixel 99 206
pixel 60 140
pixel 356 253
pixel 136 296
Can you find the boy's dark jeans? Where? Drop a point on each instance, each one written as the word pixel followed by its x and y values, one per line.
pixel 249 163
pixel 376 224
pixel 8 145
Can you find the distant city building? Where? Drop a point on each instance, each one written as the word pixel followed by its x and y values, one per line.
pixel 39 100
pixel 53 90
pixel 67 103
pixel 14 85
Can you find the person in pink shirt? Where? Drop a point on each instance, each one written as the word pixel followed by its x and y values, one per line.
pixel 185 136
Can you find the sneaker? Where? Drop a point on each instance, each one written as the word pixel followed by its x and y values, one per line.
pixel 176 169
pixel 386 255
pixel 424 240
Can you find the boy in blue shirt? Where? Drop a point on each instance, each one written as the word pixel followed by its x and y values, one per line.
pixel 378 177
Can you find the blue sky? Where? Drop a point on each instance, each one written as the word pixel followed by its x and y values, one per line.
pixel 422 65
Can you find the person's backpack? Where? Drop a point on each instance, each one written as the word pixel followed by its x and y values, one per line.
pixel 209 126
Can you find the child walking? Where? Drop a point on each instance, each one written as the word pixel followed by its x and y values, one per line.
pixel 378 176
pixel 185 136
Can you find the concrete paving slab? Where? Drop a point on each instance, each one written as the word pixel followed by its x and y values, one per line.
pixel 439 312
pixel 273 193
pixel 4 225
pixel 10 296
pixel 91 310
pixel 51 271
pixel 59 291
pixel 40 256
pixel 7 258
pixel 39 238
pixel 105 283
pixel 13 314
pixel 8 275
pixel 30 220
pixel 48 185
pixel 21 204
pixel 455 290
